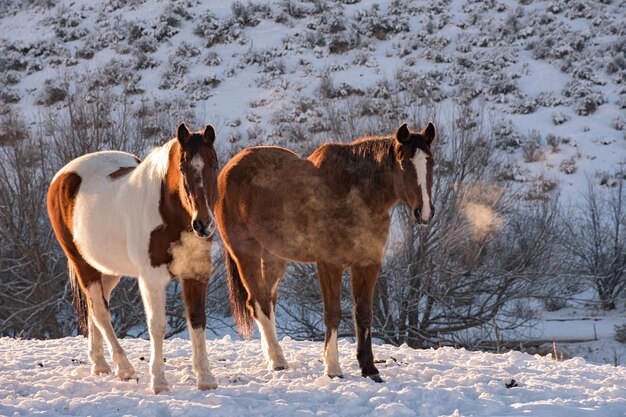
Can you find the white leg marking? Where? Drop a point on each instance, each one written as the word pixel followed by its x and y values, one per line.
pixel 96 342
pixel 153 294
pixel 99 364
pixel 419 161
pixel 102 318
pixel 331 356
pixel 199 359
pixel 271 349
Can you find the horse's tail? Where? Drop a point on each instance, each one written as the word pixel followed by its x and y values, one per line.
pixel 238 297
pixel 79 301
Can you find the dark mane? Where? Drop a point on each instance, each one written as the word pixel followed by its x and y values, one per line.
pixel 364 163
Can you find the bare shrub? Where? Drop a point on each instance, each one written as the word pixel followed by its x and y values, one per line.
pixel 618 123
pixel 35 299
pixel 12 128
pixel 216 31
pixel 597 241
pixel 53 92
pixel 250 14
pixel 531 147
pixel 326 88
pixel 372 23
pixel 568 166
pixel 620 333
pixel 9 95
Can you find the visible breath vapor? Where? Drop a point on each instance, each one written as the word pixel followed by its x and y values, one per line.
pixel 482 219
pixel 478 206
pixel 191 257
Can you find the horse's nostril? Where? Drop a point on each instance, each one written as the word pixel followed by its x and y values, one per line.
pixel 418 213
pixel 197 226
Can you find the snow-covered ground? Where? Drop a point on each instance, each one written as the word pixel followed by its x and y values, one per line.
pixel 51 378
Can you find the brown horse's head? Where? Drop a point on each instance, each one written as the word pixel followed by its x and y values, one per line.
pixel 414 177
pixel 198 177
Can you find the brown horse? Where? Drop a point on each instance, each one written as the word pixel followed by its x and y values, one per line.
pixel 115 215
pixel 331 209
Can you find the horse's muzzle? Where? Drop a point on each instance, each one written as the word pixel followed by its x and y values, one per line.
pixel 201 230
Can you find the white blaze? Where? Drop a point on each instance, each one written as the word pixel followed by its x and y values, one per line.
pixel 420 163
pixel 198 165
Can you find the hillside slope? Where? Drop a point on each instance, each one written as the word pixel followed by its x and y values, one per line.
pixel 548 75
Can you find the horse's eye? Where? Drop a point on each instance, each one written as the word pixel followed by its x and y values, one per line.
pixel 180 167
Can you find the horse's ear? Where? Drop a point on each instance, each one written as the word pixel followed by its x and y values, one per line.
pixel 208 135
pixel 182 134
pixel 429 133
pixel 402 134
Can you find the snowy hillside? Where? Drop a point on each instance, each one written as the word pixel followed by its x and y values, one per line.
pixel 51 378
pixel 549 76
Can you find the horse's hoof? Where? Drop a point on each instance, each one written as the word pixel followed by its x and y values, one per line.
pixel 376 378
pixel 340 376
pixel 206 381
pixel 126 374
pixel 100 370
pixel 160 389
pixel 279 366
pixel 205 386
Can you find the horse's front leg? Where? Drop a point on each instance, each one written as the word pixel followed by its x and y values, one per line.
pixel 152 289
pixel 194 296
pixel 363 284
pixel 330 285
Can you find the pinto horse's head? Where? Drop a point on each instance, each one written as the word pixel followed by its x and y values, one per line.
pixel 198 168
pixel 414 178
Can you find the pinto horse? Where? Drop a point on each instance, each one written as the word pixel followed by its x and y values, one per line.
pixel 331 209
pixel 115 215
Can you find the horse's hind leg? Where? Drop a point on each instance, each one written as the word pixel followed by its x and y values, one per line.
pixel 330 285
pixel 97 298
pixel 261 277
pixel 96 341
pixel 99 364
pixel 273 270
pixel 194 296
